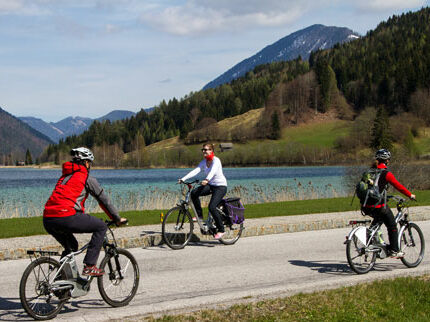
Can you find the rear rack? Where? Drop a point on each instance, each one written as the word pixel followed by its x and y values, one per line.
pixel 359 222
pixel 42 253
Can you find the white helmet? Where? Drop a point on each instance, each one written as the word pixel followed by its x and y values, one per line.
pixel 82 154
pixel 383 154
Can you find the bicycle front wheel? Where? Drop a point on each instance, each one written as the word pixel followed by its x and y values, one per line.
pixel 35 289
pixel 359 258
pixel 412 244
pixel 177 228
pixel 120 281
pixel 232 234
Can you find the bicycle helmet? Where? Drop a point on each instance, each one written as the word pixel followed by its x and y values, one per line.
pixel 382 154
pixel 81 154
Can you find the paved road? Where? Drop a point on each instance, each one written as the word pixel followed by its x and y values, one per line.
pixel 210 274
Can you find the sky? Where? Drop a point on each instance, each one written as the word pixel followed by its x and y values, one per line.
pixel 85 58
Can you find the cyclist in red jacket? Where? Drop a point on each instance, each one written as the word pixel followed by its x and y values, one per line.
pixel 381 211
pixel 64 212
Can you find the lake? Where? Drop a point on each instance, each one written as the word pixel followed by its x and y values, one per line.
pixel 23 192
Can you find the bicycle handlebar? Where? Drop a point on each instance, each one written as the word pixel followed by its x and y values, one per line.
pixel 397 198
pixel 190 182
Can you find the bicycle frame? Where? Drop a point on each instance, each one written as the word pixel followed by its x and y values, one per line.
pixel 188 202
pixel 78 285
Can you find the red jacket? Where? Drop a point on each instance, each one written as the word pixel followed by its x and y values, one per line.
pixel 68 197
pixel 388 178
pixel 71 191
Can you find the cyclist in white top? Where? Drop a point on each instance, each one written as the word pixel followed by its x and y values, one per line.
pixel 215 183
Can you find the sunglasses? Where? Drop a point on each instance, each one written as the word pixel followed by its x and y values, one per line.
pixel 204 150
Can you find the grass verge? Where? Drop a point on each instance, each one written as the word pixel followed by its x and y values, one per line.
pixel 17 227
pixel 401 299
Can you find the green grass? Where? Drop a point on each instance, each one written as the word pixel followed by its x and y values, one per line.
pixel 423 141
pixel 321 134
pixel 401 299
pixel 16 227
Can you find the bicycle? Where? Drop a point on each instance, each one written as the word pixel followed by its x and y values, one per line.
pixel 364 245
pixel 47 284
pixel 177 224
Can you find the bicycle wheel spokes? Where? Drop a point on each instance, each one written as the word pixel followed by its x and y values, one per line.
pixel 119 284
pixel 177 228
pixel 232 234
pixel 360 260
pixel 412 244
pixel 36 295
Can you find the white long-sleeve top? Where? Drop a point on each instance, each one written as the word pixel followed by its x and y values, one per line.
pixel 214 173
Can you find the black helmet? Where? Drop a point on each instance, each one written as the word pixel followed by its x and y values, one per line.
pixel 81 154
pixel 383 154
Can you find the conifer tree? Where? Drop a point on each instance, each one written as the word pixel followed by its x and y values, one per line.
pixel 28 158
pixel 381 132
pixel 276 126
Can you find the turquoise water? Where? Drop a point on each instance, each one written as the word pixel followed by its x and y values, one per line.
pixel 23 192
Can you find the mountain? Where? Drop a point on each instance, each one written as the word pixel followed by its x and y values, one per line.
pixel 372 71
pixel 116 116
pixel 43 127
pixel 16 137
pixel 71 125
pixel 300 43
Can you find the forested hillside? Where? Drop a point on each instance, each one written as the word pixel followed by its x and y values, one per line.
pixel 194 111
pixel 379 79
pixel 386 66
pixel 16 138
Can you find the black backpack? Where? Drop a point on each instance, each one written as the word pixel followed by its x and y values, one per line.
pixel 367 189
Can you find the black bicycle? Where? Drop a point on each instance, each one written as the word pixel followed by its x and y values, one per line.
pixel 365 244
pixel 177 224
pixel 47 283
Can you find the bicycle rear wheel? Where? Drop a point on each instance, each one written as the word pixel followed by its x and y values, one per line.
pixel 412 244
pixel 177 228
pixel 35 290
pixel 120 281
pixel 359 258
pixel 232 234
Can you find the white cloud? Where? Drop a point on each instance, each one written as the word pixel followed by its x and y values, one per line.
pixel 7 6
pixel 20 7
pixel 199 17
pixel 384 5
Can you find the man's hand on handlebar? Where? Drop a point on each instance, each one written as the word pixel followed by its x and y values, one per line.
pixel 180 181
pixel 205 182
pixel 413 197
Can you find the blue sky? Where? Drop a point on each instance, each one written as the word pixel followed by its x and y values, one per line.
pixel 62 58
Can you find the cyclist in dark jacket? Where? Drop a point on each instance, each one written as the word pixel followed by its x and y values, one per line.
pixel 381 211
pixel 64 212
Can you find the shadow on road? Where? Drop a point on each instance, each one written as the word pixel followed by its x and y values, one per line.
pixel 11 309
pixel 327 267
pixel 195 240
pixel 333 267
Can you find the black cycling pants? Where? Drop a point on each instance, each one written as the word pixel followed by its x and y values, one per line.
pixel 385 215
pixel 218 192
pixel 62 229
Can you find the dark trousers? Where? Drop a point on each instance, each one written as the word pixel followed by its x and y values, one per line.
pixel 385 215
pixel 62 229
pixel 218 192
